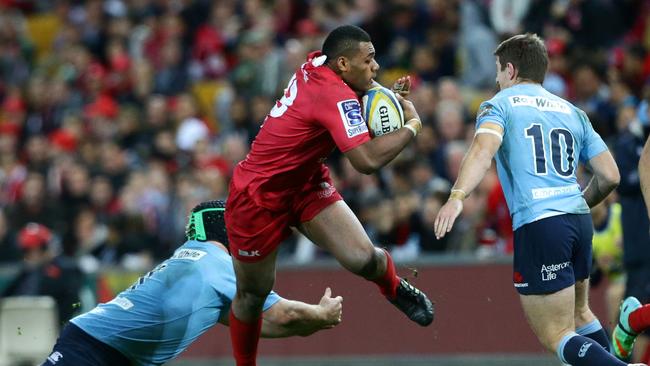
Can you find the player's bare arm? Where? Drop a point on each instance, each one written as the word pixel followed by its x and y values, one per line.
pixel 374 154
pixel 644 174
pixel 472 170
pixel 605 179
pixel 288 318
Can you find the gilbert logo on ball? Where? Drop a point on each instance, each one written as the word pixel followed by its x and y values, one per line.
pixel 382 111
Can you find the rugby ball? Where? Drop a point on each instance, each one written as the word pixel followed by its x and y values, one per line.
pixel 382 111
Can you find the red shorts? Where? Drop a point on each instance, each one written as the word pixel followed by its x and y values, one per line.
pixel 254 231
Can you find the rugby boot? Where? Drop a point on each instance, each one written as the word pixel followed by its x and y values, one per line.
pixel 414 303
pixel 623 336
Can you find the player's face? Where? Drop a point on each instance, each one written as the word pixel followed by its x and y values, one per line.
pixel 362 68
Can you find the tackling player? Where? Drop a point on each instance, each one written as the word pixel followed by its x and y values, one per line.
pixel 540 138
pixel 283 182
pixel 158 317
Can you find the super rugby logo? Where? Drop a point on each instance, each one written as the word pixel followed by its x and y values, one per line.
pixel 350 111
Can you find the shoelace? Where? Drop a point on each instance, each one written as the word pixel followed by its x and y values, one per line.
pixel 410 290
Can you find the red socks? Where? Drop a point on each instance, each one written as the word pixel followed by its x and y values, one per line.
pixel 389 281
pixel 640 319
pixel 244 338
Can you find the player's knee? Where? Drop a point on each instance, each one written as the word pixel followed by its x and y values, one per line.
pixel 254 293
pixel 253 299
pixel 551 339
pixel 369 264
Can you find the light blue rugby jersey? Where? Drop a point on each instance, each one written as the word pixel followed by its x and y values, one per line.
pixel 168 308
pixel 536 163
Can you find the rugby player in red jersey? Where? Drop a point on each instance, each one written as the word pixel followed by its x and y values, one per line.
pixel 283 183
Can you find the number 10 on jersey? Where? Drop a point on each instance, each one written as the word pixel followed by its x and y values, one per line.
pixel 560 141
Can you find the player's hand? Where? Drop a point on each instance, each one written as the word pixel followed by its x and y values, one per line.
pixel 402 86
pixel 447 216
pixel 408 107
pixel 331 309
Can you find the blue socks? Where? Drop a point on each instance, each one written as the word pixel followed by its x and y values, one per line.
pixel 578 350
pixel 596 332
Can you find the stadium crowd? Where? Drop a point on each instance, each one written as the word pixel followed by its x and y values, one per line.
pixel 117 117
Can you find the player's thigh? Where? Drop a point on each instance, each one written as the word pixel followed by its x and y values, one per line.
pixel 254 232
pixel 550 316
pixel 337 229
pixel 256 278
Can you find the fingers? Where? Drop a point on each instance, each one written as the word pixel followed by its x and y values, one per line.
pixel 444 221
pixel 439 224
pixel 402 86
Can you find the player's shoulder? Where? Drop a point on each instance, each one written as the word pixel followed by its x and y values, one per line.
pixel 498 104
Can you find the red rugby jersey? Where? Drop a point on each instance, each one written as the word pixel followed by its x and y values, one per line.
pixel 317 113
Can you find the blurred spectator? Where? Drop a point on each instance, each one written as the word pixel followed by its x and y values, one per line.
pixel 9 250
pixel 507 16
pixel 44 273
pixel 608 253
pixel 34 204
pixel 591 95
pixel 102 198
pixel 435 196
pixel 556 76
pixel 636 237
pixel 171 76
pixel 190 128
pixel 497 226
pixel 478 42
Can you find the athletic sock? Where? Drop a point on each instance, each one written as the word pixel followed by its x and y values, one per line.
pixel 389 281
pixel 244 338
pixel 595 331
pixel 577 350
pixel 639 319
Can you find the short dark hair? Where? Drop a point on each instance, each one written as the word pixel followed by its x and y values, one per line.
pixel 206 222
pixel 343 40
pixel 527 53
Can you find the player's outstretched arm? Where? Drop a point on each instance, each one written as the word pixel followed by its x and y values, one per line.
pixel 606 178
pixel 644 174
pixel 290 318
pixel 472 170
pixel 374 154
